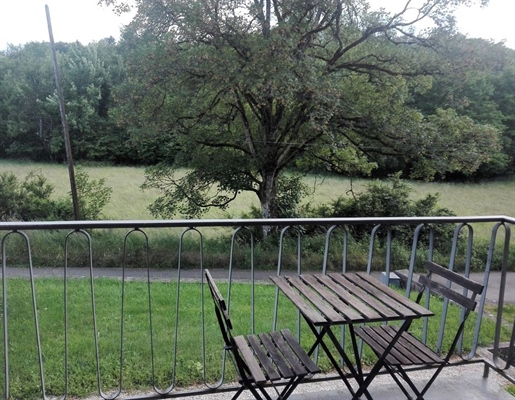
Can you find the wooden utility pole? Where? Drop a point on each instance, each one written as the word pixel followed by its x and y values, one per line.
pixel 67 143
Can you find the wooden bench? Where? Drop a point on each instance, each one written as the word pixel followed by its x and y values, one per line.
pixel 266 358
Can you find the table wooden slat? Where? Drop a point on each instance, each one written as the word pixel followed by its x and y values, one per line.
pixel 374 311
pixel 304 307
pixel 381 298
pixel 419 310
pixel 346 293
pixel 319 302
pixel 348 303
pixel 348 312
pixel 335 299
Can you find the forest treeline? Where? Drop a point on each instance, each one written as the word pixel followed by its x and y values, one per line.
pixel 30 124
pixel 98 78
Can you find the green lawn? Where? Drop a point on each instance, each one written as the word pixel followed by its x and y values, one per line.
pixel 182 365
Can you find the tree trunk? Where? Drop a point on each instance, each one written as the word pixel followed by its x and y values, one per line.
pixel 268 199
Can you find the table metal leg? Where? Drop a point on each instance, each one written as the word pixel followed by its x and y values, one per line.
pixel 380 362
pixel 355 371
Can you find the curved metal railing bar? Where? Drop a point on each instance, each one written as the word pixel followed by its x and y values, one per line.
pixel 510 359
pixel 412 264
pixel 93 307
pixel 34 310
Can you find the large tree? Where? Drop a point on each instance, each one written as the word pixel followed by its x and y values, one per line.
pixel 249 88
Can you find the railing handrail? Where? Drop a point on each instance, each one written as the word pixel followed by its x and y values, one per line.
pixel 195 223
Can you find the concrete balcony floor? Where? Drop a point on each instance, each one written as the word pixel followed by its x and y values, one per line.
pixel 464 382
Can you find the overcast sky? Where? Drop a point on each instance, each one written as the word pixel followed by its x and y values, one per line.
pixel 22 21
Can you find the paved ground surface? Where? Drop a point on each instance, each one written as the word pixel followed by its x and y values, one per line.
pixel 492 293
pixel 460 383
pixel 464 382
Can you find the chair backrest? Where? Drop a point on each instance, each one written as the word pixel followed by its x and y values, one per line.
pixel 457 288
pixel 222 313
pixel 452 290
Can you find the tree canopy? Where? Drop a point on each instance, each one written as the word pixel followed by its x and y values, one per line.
pixel 248 89
pixel 247 95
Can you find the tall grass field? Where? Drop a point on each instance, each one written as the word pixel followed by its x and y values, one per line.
pixel 129 201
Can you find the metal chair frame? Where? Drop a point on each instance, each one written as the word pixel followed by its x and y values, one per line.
pixel 411 351
pixel 265 359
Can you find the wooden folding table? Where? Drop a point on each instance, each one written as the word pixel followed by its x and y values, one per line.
pixel 350 298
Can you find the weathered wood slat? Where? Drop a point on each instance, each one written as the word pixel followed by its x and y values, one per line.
pixel 248 356
pixel 423 353
pixel 353 306
pixel 263 358
pixel 310 366
pixel 412 352
pixel 454 277
pixel 288 354
pixel 307 310
pixel 444 291
pixel 379 305
pixel 379 341
pixel 345 291
pixel 406 351
pixel 282 366
pixel 318 300
pixel 384 296
pixel 392 294
pixel 323 286
pixel 412 348
pixel 371 309
pixel 218 300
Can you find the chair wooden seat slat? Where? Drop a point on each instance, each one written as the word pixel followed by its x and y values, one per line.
pixel 264 358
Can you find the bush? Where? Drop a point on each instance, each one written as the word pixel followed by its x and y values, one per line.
pixel 93 195
pixel 30 200
pixel 386 199
pixel 26 201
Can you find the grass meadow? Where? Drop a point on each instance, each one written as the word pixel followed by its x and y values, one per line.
pixel 129 201
pixel 185 368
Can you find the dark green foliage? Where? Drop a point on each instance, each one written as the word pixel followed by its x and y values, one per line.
pixel 28 200
pixel 254 90
pixel 93 195
pixel 386 199
pixel 31 199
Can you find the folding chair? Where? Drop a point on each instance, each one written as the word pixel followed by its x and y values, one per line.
pixel 408 350
pixel 263 359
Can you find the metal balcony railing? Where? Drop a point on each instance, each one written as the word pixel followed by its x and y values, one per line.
pixel 185 249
